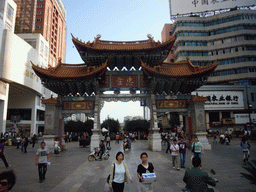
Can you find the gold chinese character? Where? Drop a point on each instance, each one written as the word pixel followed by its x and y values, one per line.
pixel 129 81
pixel 120 81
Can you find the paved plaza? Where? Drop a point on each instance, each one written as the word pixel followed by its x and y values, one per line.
pixel 72 172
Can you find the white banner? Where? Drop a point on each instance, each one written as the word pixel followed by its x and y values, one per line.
pixel 244 118
pixel 188 6
pixel 219 100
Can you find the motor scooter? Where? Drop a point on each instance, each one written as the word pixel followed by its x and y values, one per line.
pixel 222 139
pixel 126 145
pixel 94 155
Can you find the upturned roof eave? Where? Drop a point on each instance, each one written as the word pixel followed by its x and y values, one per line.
pixel 166 45
pixel 45 73
pixel 202 72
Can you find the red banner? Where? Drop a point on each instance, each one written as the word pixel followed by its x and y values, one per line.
pixel 78 105
pixel 119 81
pixel 168 104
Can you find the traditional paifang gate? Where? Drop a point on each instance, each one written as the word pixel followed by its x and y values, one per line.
pixel 124 66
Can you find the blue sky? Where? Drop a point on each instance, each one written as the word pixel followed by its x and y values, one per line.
pixel 118 20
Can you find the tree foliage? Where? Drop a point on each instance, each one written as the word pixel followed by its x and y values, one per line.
pixel 111 124
pixel 137 125
pixel 79 126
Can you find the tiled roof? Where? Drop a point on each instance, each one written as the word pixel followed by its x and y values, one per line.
pixel 69 71
pixel 199 98
pixel 50 101
pixel 103 45
pixel 179 70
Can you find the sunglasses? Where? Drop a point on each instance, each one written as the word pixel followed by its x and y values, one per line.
pixel 3 183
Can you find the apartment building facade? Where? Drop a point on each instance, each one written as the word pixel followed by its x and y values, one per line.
pixel 21 90
pixel 230 39
pixel 47 17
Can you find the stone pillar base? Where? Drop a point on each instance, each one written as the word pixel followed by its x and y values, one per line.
pixel 203 139
pixel 155 140
pixel 95 139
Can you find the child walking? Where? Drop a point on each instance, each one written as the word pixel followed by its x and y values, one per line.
pixel 42 158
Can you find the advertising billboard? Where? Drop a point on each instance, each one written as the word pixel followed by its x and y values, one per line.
pixel 194 6
pixel 244 118
pixel 219 100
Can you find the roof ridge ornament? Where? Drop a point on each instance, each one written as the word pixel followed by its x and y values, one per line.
pixel 192 66
pixel 150 39
pixel 97 39
pixel 59 60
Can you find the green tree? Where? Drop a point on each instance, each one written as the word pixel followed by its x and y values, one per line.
pixel 88 126
pixel 79 126
pixel 111 124
pixel 137 125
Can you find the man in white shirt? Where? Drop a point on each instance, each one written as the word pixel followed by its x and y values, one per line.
pixel 175 154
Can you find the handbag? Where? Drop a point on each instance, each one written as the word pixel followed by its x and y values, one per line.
pixel 108 178
pixel 193 148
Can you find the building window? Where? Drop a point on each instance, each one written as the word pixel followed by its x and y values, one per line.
pixel 39 20
pixel 31 42
pixel 39 6
pixel 8 25
pixel 39 13
pixel 252 96
pixel 226 115
pixel 10 12
pixel 42 47
pixel 38 27
pixel 214 116
pixel 25 114
pixel 46 51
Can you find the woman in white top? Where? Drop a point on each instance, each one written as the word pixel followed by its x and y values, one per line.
pixel 56 146
pixel 119 174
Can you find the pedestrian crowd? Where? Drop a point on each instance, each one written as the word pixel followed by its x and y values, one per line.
pixel 195 179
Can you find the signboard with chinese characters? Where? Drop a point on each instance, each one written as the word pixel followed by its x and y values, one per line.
pixel 244 118
pixel 219 100
pixel 78 105
pixel 119 81
pixel 169 104
pixel 188 6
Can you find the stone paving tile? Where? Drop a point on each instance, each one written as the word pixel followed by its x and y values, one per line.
pixel 73 172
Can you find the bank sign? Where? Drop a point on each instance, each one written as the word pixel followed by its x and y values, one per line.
pixel 219 100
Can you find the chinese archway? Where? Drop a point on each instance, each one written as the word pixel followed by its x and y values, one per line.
pixel 122 66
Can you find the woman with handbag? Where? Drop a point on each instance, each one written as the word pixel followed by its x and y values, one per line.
pixel 119 174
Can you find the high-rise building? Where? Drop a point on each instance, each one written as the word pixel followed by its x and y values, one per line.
pixel 227 37
pixel 21 91
pixel 47 17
